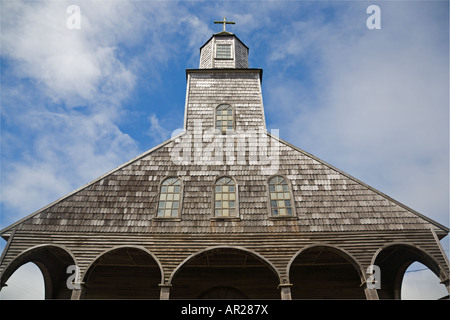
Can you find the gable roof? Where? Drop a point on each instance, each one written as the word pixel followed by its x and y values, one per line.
pixel 125 200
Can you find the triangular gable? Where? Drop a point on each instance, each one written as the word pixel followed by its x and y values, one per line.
pixel 125 199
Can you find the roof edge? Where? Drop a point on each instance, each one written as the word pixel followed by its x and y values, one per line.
pixel 224 34
pixel 4 233
pixel 443 229
pixel 226 70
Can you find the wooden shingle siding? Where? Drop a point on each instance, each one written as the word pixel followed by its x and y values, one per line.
pixel 126 201
pixel 239 53
pixel 208 90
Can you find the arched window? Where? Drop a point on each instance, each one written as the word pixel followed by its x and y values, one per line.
pixel 224 118
pixel 280 197
pixel 225 198
pixel 169 198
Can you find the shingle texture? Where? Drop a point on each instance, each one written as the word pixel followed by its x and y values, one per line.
pixel 126 199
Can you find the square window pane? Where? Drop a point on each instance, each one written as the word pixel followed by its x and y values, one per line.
pixel 225 204
pixel 163 189
pixel 274 212
pixel 287 203
pixel 169 197
pixel 167 212
pixel 218 204
pixel 271 187
pixel 225 188
pixel 280 204
pixel 174 213
pixel 175 204
pixel 289 211
pixel 176 197
pixel 287 196
pixel 232 204
pixel 230 112
pixel 218 196
pixel 160 213
pixel 225 212
pixel 177 189
pixel 217 212
pixel 168 204
pixel 279 187
pixel 282 212
pixel 232 212
pixel 231 188
pixel 273 203
pixel 162 204
pixel 232 196
pixel 162 197
pixel 225 196
pixel 285 187
pixel 273 196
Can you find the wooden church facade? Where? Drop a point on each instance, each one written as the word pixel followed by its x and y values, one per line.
pixel 224 210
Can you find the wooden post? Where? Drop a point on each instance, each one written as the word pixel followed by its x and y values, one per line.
pixel 447 284
pixel 285 290
pixel 371 294
pixel 165 291
pixel 77 291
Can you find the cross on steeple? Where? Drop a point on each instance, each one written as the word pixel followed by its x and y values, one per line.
pixel 224 22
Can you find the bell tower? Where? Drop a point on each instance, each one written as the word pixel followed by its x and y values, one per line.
pixel 224 94
pixel 224 51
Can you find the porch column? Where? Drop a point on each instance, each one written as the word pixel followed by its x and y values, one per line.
pixel 285 290
pixel 165 291
pixel 78 290
pixel 371 293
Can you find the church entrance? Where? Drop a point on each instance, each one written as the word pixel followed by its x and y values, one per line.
pixel 325 273
pixel 225 273
pixel 123 273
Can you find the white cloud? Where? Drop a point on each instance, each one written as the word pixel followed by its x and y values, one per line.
pixel 64 92
pixel 156 131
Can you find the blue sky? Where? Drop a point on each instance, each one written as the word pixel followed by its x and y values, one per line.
pixel 78 103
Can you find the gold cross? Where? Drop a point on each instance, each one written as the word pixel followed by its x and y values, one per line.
pixel 224 22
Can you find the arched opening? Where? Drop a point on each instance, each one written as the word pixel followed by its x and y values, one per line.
pixel 420 283
pixel 52 262
pixel 225 273
pixel 322 272
pixel 26 283
pixel 123 273
pixel 394 261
